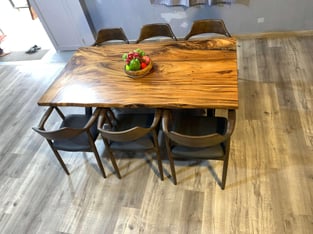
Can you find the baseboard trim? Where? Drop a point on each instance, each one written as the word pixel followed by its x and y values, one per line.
pixel 274 34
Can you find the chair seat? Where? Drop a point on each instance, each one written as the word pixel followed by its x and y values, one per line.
pixel 80 142
pixel 213 152
pixel 144 143
pixel 199 125
pixel 129 120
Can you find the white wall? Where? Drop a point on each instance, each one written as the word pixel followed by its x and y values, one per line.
pixel 279 15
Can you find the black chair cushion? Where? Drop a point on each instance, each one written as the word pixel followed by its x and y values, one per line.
pixel 198 125
pixel 127 121
pixel 187 124
pixel 213 152
pixel 144 143
pixel 80 142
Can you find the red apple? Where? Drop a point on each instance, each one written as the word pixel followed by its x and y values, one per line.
pixel 146 59
pixel 143 65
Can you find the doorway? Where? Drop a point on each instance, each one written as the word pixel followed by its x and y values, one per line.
pixel 22 29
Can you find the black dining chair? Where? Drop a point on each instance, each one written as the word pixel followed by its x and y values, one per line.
pixel 156 30
pixel 206 26
pixel 191 137
pixel 76 133
pixel 110 34
pixel 130 133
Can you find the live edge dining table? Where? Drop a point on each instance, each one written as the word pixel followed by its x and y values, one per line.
pixel 185 74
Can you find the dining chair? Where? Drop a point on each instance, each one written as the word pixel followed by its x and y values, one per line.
pixel 131 133
pixel 198 138
pixel 155 30
pixel 205 26
pixel 77 133
pixel 110 34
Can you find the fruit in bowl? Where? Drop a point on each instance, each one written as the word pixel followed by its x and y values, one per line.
pixel 137 63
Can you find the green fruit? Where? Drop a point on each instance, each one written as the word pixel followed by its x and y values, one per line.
pixel 127 68
pixel 134 65
pixel 124 56
pixel 139 51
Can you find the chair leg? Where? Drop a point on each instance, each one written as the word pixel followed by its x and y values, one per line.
pixel 57 155
pixel 115 164
pixel 225 165
pixel 171 160
pixel 157 150
pixel 224 174
pixel 95 151
pixel 112 158
pixel 160 164
pixel 110 117
pixel 172 168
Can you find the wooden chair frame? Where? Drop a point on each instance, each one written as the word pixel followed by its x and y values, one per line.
pixel 110 34
pixel 67 133
pixel 208 26
pixel 130 135
pixel 173 137
pixel 155 30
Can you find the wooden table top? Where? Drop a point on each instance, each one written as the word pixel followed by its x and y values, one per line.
pixel 185 74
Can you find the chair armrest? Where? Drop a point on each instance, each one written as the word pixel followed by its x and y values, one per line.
pixel 45 117
pixel 157 117
pixel 165 120
pixel 93 118
pixel 102 118
pixel 231 122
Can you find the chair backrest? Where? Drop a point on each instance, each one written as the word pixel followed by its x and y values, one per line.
pixel 156 30
pixel 64 132
pixel 198 137
pixel 110 34
pixel 197 131
pixel 129 128
pixel 208 26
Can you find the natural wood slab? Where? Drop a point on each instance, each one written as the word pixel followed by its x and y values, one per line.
pixel 185 74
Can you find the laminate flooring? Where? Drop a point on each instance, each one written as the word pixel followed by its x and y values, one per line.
pixel 269 187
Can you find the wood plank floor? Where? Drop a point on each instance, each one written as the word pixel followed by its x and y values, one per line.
pixel 269 187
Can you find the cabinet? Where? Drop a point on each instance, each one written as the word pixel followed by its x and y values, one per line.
pixel 65 23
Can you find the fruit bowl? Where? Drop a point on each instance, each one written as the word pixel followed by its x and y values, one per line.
pixel 137 63
pixel 139 73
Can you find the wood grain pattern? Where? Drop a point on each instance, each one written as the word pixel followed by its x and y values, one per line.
pixel 193 74
pixel 270 174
